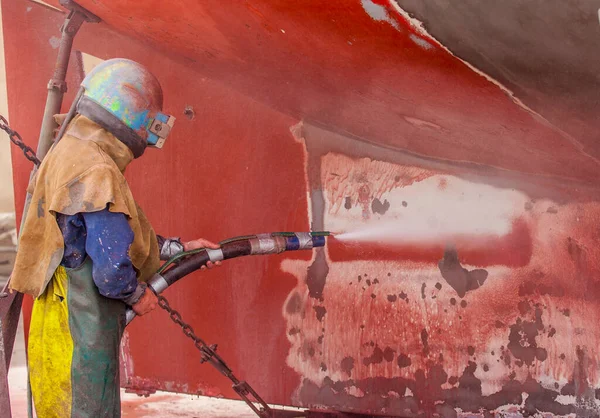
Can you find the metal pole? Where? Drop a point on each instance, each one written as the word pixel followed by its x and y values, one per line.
pixel 10 304
pixel 4 395
pixel 57 86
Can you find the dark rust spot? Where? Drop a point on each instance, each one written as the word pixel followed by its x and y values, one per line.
pixel 463 303
pixel 524 307
pixel 375 358
pixel 438 286
pixel 294 305
pixel 348 202
pixel 392 298
pixel 459 278
pixel 403 360
pixel 320 311
pixel 522 343
pixel 538 319
pixel 425 341
pixel 471 350
pixel 380 208
pixel 388 354
pixel 347 365
pixel 317 275
pixel 294 331
pixel 189 112
pixel 452 301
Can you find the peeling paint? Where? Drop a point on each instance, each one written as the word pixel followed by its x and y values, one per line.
pixel 378 13
pixel 420 41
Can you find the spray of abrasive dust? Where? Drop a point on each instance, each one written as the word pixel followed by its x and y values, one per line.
pixel 386 233
pixel 414 231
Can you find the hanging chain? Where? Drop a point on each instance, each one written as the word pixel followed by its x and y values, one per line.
pixel 209 354
pixel 18 141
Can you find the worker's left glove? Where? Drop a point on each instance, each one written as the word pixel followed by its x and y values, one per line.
pixel 169 247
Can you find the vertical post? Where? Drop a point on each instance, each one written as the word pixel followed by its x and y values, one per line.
pixel 10 309
pixel 57 86
pixel 4 395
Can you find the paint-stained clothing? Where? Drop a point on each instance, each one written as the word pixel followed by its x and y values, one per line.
pixel 85 245
pixel 73 351
pixel 83 173
pixel 105 237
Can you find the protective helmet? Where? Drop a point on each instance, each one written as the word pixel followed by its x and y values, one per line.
pixel 126 99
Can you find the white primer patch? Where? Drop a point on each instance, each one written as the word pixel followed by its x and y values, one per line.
pixel 378 13
pixel 420 41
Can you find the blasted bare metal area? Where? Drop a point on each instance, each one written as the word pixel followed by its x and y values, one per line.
pixel 529 330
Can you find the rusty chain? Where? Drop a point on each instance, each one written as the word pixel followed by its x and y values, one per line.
pixel 18 141
pixel 209 354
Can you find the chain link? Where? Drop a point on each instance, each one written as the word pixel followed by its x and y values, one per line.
pixel 18 141
pixel 208 354
pixel 187 329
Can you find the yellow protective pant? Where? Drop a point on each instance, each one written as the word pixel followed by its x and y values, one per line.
pixel 73 349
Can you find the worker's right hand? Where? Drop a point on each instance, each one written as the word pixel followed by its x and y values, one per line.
pixel 146 303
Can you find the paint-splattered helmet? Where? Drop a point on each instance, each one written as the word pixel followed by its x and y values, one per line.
pixel 126 99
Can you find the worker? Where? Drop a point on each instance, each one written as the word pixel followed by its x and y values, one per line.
pixel 86 248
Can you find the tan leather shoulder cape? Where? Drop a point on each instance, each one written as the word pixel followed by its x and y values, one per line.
pixel 82 173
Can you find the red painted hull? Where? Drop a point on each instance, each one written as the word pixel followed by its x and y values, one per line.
pixel 316 114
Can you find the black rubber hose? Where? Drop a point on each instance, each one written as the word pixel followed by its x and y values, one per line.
pixel 194 262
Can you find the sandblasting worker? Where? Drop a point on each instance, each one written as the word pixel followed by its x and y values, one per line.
pixel 86 248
